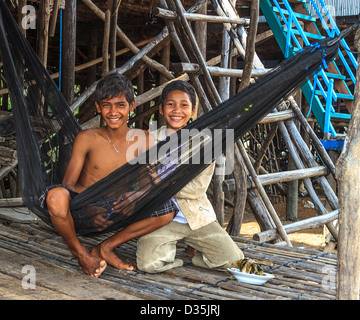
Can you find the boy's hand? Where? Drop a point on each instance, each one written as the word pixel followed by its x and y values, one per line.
pixel 97 215
pixel 126 203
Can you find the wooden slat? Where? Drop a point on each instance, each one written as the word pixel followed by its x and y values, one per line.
pixel 299 273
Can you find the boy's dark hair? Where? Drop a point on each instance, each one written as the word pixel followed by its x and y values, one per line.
pixel 181 86
pixel 113 85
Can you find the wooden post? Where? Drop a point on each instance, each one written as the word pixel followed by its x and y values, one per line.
pixel 165 61
pixel 112 37
pixel 53 18
pixel 105 44
pixel 140 90
pixel 347 173
pixel 92 49
pixel 291 195
pixel 218 192
pixel 201 31
pixel 69 45
pixel 43 31
pixel 21 15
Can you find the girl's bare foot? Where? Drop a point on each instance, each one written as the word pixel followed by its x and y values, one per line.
pixel 103 253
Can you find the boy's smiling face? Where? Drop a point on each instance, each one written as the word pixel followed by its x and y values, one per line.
pixel 115 111
pixel 177 109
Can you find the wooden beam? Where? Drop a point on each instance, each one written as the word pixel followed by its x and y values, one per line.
pixel 309 223
pixel 286 176
pixel 347 174
pixel 218 71
pixel 171 15
pixel 69 45
pixel 11 202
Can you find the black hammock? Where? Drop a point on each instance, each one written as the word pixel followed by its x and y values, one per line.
pixel 46 128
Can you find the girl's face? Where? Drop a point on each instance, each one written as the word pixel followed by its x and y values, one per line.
pixel 177 109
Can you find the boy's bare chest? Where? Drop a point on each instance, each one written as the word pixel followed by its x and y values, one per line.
pixel 105 157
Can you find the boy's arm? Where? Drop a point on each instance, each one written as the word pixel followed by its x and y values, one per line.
pixel 77 160
pixel 147 144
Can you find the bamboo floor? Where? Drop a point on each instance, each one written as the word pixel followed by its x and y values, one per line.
pixel 35 250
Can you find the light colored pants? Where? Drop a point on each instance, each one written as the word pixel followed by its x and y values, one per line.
pixel 215 249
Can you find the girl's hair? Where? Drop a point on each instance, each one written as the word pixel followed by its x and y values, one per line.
pixel 181 86
pixel 114 85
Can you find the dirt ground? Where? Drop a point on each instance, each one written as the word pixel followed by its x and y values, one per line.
pixel 309 239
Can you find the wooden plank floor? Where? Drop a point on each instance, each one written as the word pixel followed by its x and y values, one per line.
pixel 34 249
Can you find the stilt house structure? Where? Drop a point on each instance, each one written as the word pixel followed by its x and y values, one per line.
pixel 220 46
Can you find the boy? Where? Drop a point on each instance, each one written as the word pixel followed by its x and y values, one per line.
pixel 195 222
pixel 114 98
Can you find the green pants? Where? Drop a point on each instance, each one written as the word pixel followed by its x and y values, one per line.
pixel 215 249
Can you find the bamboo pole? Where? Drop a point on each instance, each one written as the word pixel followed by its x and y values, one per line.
pixel 218 192
pixel 105 44
pixel 21 15
pixel 263 194
pixel 250 44
pixel 171 15
pixel 114 8
pixel 307 182
pixel 310 162
pixel 69 44
pixel 53 18
pixel 309 223
pixel 43 31
pixel 318 145
pixel 286 176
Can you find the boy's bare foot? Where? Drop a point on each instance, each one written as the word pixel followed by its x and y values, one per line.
pixel 91 265
pixel 102 252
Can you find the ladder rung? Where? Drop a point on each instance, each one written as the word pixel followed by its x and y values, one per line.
pixel 335 76
pixel 319 93
pixel 341 115
pixel 338 95
pixel 307 34
pixel 297 15
pixel 296 1
pixel 345 96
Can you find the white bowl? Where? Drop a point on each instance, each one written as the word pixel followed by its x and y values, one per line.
pixel 250 278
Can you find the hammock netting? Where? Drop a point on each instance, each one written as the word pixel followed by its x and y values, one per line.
pixel 46 128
